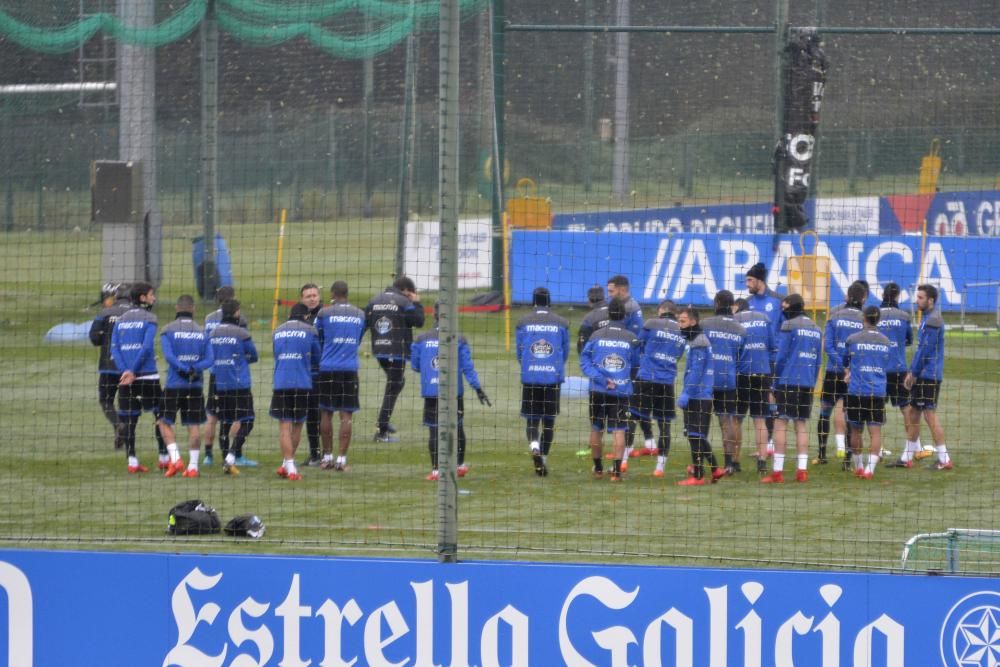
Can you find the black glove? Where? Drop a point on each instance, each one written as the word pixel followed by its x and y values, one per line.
pixel 184 375
pixel 483 398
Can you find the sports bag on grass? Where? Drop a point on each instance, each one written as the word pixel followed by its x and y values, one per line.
pixel 245 525
pixel 193 517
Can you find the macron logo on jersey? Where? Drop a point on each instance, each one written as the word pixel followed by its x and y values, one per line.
pixel 189 335
pixel 872 347
pixel 542 328
pixel 289 334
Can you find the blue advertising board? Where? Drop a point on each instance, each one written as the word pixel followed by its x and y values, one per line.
pixel 972 213
pixel 67 608
pixel 691 268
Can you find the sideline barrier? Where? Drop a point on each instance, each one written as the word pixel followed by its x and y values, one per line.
pixel 76 608
pixel 973 213
pixel 691 268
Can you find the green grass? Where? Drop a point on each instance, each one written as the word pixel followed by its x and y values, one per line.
pixel 62 485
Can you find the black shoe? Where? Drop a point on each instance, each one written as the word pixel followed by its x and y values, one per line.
pixel 761 467
pixel 385 436
pixel 900 463
pixel 311 462
pixel 389 428
pixel 737 467
pixel 730 470
pixel 846 465
pixel 540 468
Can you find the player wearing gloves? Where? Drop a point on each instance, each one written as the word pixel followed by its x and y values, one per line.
pixel 424 360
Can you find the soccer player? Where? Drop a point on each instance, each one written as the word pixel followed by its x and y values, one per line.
pixel 728 338
pixel 866 356
pixel 392 316
pixel 842 322
pixel 753 378
pixel 618 288
pixel 763 299
pixel 662 346
pixel 696 399
pixel 340 327
pixel 212 320
pixel 796 367
pixel 542 350
pixel 894 323
pixel 114 301
pixel 608 359
pixel 927 370
pixel 424 360
pixel 295 344
pixel 187 353
pixel 133 341
pixel 310 298
pixel 593 320
pixel 232 353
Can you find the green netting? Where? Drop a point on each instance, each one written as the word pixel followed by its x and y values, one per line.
pixel 339 46
pixel 253 21
pixel 67 38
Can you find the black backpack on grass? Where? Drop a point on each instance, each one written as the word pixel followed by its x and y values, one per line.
pixel 193 517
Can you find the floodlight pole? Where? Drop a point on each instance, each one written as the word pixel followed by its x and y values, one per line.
pixel 498 44
pixel 620 157
pixel 209 138
pixel 137 125
pixel 780 37
pixel 448 378
pixel 405 152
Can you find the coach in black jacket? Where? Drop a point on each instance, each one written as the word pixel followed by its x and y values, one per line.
pixel 391 317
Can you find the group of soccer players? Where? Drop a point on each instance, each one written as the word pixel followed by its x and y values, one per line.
pixel 759 356
pixel 316 357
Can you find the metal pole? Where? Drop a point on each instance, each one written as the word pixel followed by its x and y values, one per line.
pixel 406 135
pixel 620 158
pixel 367 100
pixel 587 144
pixel 780 35
pixel 498 44
pixel 137 128
pixel 7 138
pixel 209 139
pixel 447 502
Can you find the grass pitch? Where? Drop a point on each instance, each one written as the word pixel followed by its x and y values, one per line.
pixel 62 485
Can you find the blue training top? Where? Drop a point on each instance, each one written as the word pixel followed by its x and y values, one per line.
pixel 185 348
pixel 542 342
pixel 232 351
pixel 340 327
pixel 895 325
pixel 928 360
pixel 133 342
pixel 424 360
pixel 662 345
pixel 727 337
pixel 611 354
pixel 757 355
pixel 699 380
pixel 296 347
pixel 868 354
pixel 800 346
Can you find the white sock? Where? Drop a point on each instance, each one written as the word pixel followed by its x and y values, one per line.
pixel 628 454
pixel 230 459
pixel 650 443
pixel 661 462
pixel 535 447
pixel 342 460
pixel 872 462
pixel 165 458
pixel 290 466
pixel 172 451
pixel 328 457
pixel 779 462
pixel 911 449
pixel 802 461
pixel 770 446
pixel 840 438
pixel 193 461
pixel 942 451
pixel 856 461
pixel 133 462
